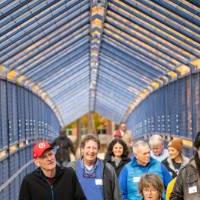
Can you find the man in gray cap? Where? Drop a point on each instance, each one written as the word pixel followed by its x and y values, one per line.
pixel 187 185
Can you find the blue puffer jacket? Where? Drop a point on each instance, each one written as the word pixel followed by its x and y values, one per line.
pixel 131 173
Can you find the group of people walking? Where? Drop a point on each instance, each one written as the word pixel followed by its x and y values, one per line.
pixel 143 173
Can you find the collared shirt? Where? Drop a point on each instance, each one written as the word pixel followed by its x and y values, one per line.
pixel 162 156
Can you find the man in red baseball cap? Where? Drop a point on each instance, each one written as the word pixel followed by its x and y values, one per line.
pixel 44 158
pixel 40 148
pixel 49 181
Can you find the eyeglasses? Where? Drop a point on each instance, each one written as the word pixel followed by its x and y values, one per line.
pixel 148 190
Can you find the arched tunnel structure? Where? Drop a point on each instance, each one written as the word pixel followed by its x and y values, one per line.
pixel 132 61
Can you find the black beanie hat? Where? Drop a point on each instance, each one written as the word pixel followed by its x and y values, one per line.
pixel 197 141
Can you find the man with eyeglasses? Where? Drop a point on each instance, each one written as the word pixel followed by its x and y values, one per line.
pixel 49 181
pixel 187 185
pixel 98 179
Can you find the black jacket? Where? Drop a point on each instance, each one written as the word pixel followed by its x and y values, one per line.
pixel 65 147
pixel 66 186
pixel 120 166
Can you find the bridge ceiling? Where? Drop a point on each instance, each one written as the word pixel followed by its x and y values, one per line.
pixel 98 55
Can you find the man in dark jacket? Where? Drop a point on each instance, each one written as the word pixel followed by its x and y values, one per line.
pixel 65 148
pixel 187 186
pixel 49 181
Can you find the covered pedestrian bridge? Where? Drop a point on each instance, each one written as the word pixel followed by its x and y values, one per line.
pixel 132 61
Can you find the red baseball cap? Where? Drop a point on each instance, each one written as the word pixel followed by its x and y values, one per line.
pixel 39 148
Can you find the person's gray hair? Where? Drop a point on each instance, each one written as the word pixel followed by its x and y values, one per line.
pixel 155 140
pixel 139 143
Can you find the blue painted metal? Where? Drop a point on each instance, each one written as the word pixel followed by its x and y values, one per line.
pixel 169 110
pixel 140 42
pixel 52 43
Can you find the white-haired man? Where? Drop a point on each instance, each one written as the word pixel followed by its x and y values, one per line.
pixel 141 164
pixel 49 181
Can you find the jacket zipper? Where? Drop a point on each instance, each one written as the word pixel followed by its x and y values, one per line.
pixel 51 187
pixel 52 193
